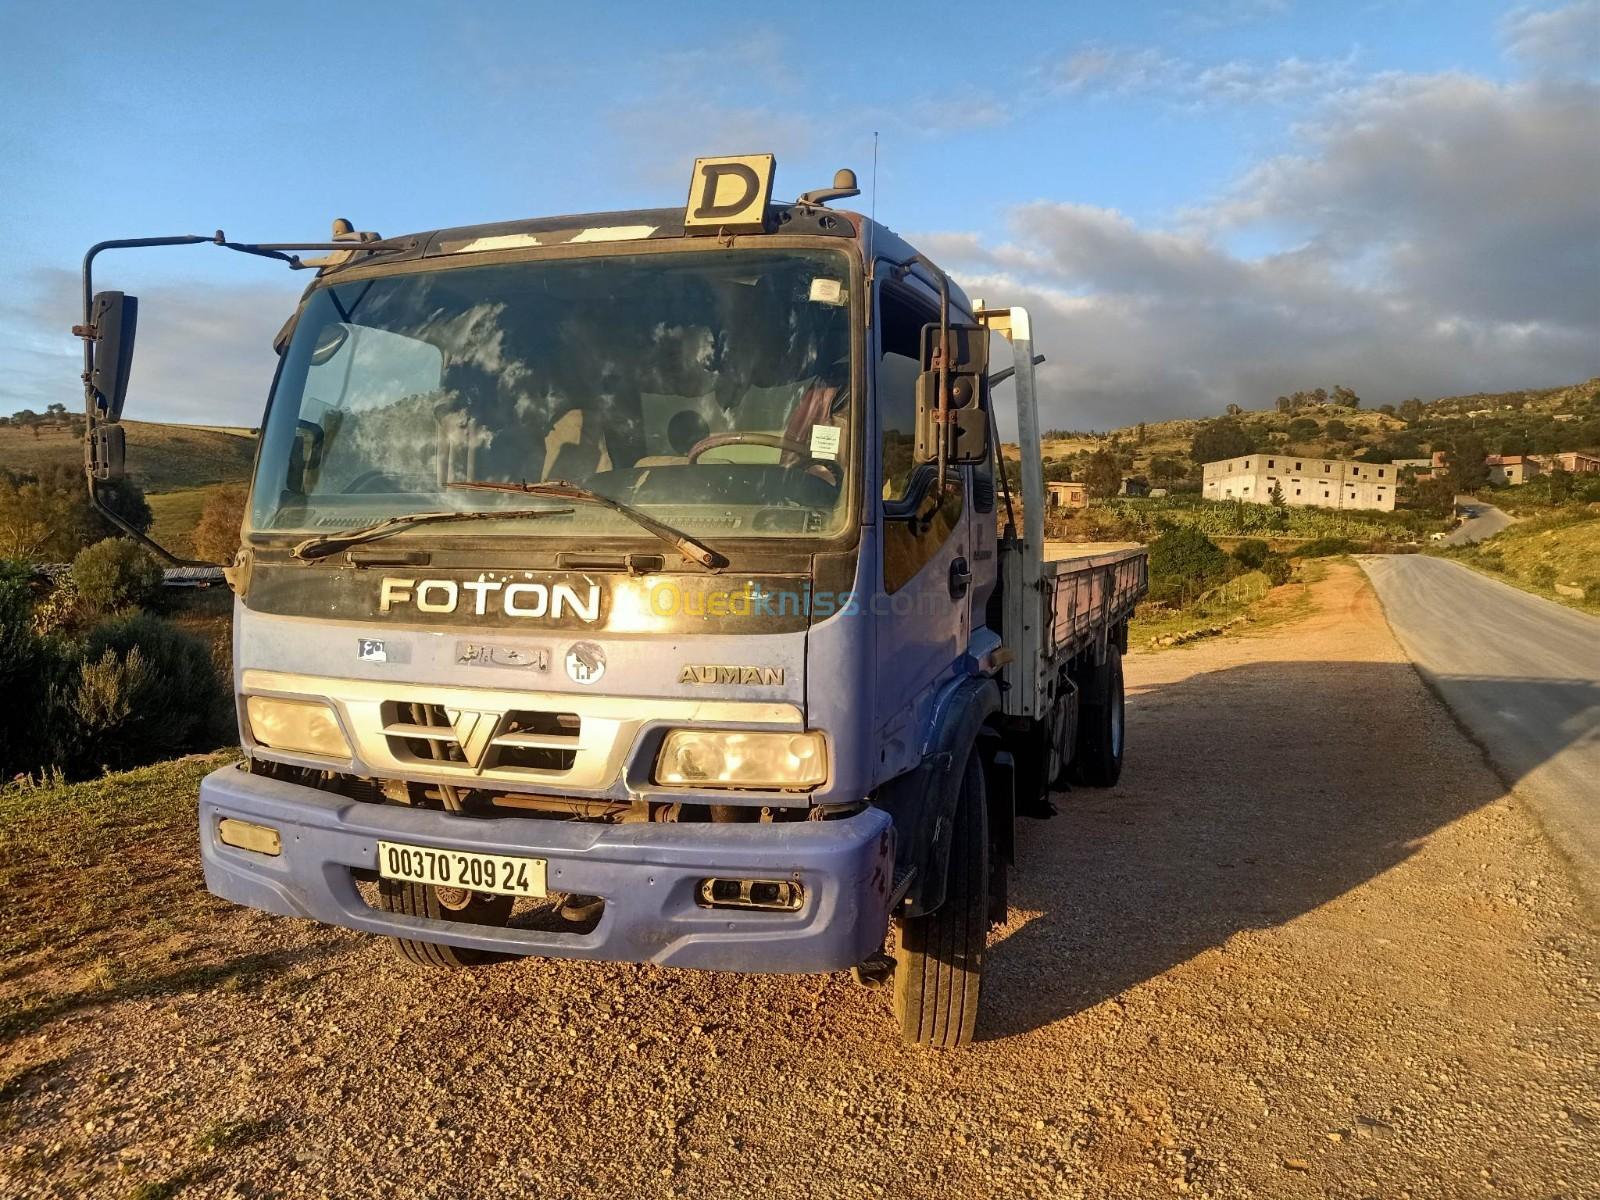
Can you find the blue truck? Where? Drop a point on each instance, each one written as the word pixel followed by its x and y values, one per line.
pixel 648 586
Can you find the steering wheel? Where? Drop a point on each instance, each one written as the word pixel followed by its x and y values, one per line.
pixel 788 445
pixel 364 482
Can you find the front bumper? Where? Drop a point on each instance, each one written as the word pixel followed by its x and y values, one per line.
pixel 648 875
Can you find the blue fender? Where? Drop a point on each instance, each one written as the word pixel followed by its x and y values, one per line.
pixel 923 800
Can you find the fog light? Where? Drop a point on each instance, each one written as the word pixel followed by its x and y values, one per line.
pixel 245 835
pixel 775 895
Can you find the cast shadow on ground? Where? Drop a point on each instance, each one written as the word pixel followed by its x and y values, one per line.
pixel 1135 880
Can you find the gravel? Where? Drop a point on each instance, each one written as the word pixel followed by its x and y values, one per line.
pixel 1308 947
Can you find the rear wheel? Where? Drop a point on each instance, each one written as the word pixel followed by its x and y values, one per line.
pixel 443 904
pixel 1098 761
pixel 939 957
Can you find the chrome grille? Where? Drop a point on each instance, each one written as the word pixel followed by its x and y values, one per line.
pixel 517 740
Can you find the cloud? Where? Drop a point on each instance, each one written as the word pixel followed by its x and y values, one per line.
pixel 1555 42
pixel 1443 235
pixel 203 354
pixel 1106 71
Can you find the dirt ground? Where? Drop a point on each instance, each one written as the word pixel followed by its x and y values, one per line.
pixel 1309 947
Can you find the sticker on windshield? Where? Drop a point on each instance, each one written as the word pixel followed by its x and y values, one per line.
pixel 827 291
pixel 825 441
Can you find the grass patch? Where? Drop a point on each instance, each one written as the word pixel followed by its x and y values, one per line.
pixel 1244 601
pixel 176 514
pixel 97 875
pixel 1554 556
pixel 161 458
pixel 230 1135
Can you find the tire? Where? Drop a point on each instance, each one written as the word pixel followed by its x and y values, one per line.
pixel 939 957
pixel 1101 725
pixel 424 900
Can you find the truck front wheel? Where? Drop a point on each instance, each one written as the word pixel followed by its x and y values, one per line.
pixel 443 904
pixel 1098 758
pixel 939 957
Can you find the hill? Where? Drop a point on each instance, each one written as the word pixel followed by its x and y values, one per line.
pixel 161 458
pixel 1533 421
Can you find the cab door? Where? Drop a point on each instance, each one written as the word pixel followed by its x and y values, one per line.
pixel 922 605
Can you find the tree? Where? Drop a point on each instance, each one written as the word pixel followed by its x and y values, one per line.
pixel 46 516
pixel 216 537
pixel 1302 428
pixel 1411 410
pixel 1139 434
pixel 1560 484
pixel 1467 470
pixel 1218 439
pixel 1233 410
pixel 1434 496
pixel 1346 397
pixel 1283 404
pixel 1336 429
pixel 1276 496
pixel 1102 478
pixel 1183 563
pixel 1386 409
pixel 56 411
pixel 1164 470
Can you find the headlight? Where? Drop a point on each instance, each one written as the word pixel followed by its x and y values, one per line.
pixel 732 758
pixel 304 726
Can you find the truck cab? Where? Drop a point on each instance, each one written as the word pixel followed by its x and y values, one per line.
pixel 645 586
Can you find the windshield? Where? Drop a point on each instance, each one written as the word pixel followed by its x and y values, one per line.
pixel 709 389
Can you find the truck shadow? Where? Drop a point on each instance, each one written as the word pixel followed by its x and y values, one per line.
pixel 1251 795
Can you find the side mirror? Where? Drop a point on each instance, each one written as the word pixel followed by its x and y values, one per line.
pixel 968 401
pixel 114 318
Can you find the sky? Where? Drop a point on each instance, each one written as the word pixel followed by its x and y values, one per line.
pixel 1205 203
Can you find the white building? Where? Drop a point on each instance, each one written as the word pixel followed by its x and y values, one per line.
pixel 1313 482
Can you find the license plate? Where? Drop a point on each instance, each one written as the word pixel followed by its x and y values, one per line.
pixel 497 873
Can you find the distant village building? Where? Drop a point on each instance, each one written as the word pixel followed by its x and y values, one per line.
pixel 1579 462
pixel 1304 482
pixel 1066 495
pixel 1512 469
pixel 1416 464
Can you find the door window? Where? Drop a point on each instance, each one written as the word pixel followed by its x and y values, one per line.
pixel 918 517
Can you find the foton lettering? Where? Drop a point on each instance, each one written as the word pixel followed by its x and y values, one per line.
pixel 552 601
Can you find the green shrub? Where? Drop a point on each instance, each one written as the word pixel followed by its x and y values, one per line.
pixel 1183 563
pixel 142 690
pixel 21 661
pixel 1324 547
pixel 1251 552
pixel 1492 559
pixel 114 574
pixel 1543 575
pixel 60 611
pixel 1278 569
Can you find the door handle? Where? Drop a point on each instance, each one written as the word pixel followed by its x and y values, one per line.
pixel 960 578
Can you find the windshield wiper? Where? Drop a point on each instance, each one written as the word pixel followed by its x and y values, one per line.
pixel 561 489
pixel 331 543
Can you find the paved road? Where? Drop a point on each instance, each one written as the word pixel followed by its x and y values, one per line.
pixel 1522 673
pixel 1479 521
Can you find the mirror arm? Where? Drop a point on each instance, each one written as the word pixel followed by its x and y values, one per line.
pixel 1000 377
pixel 148 542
